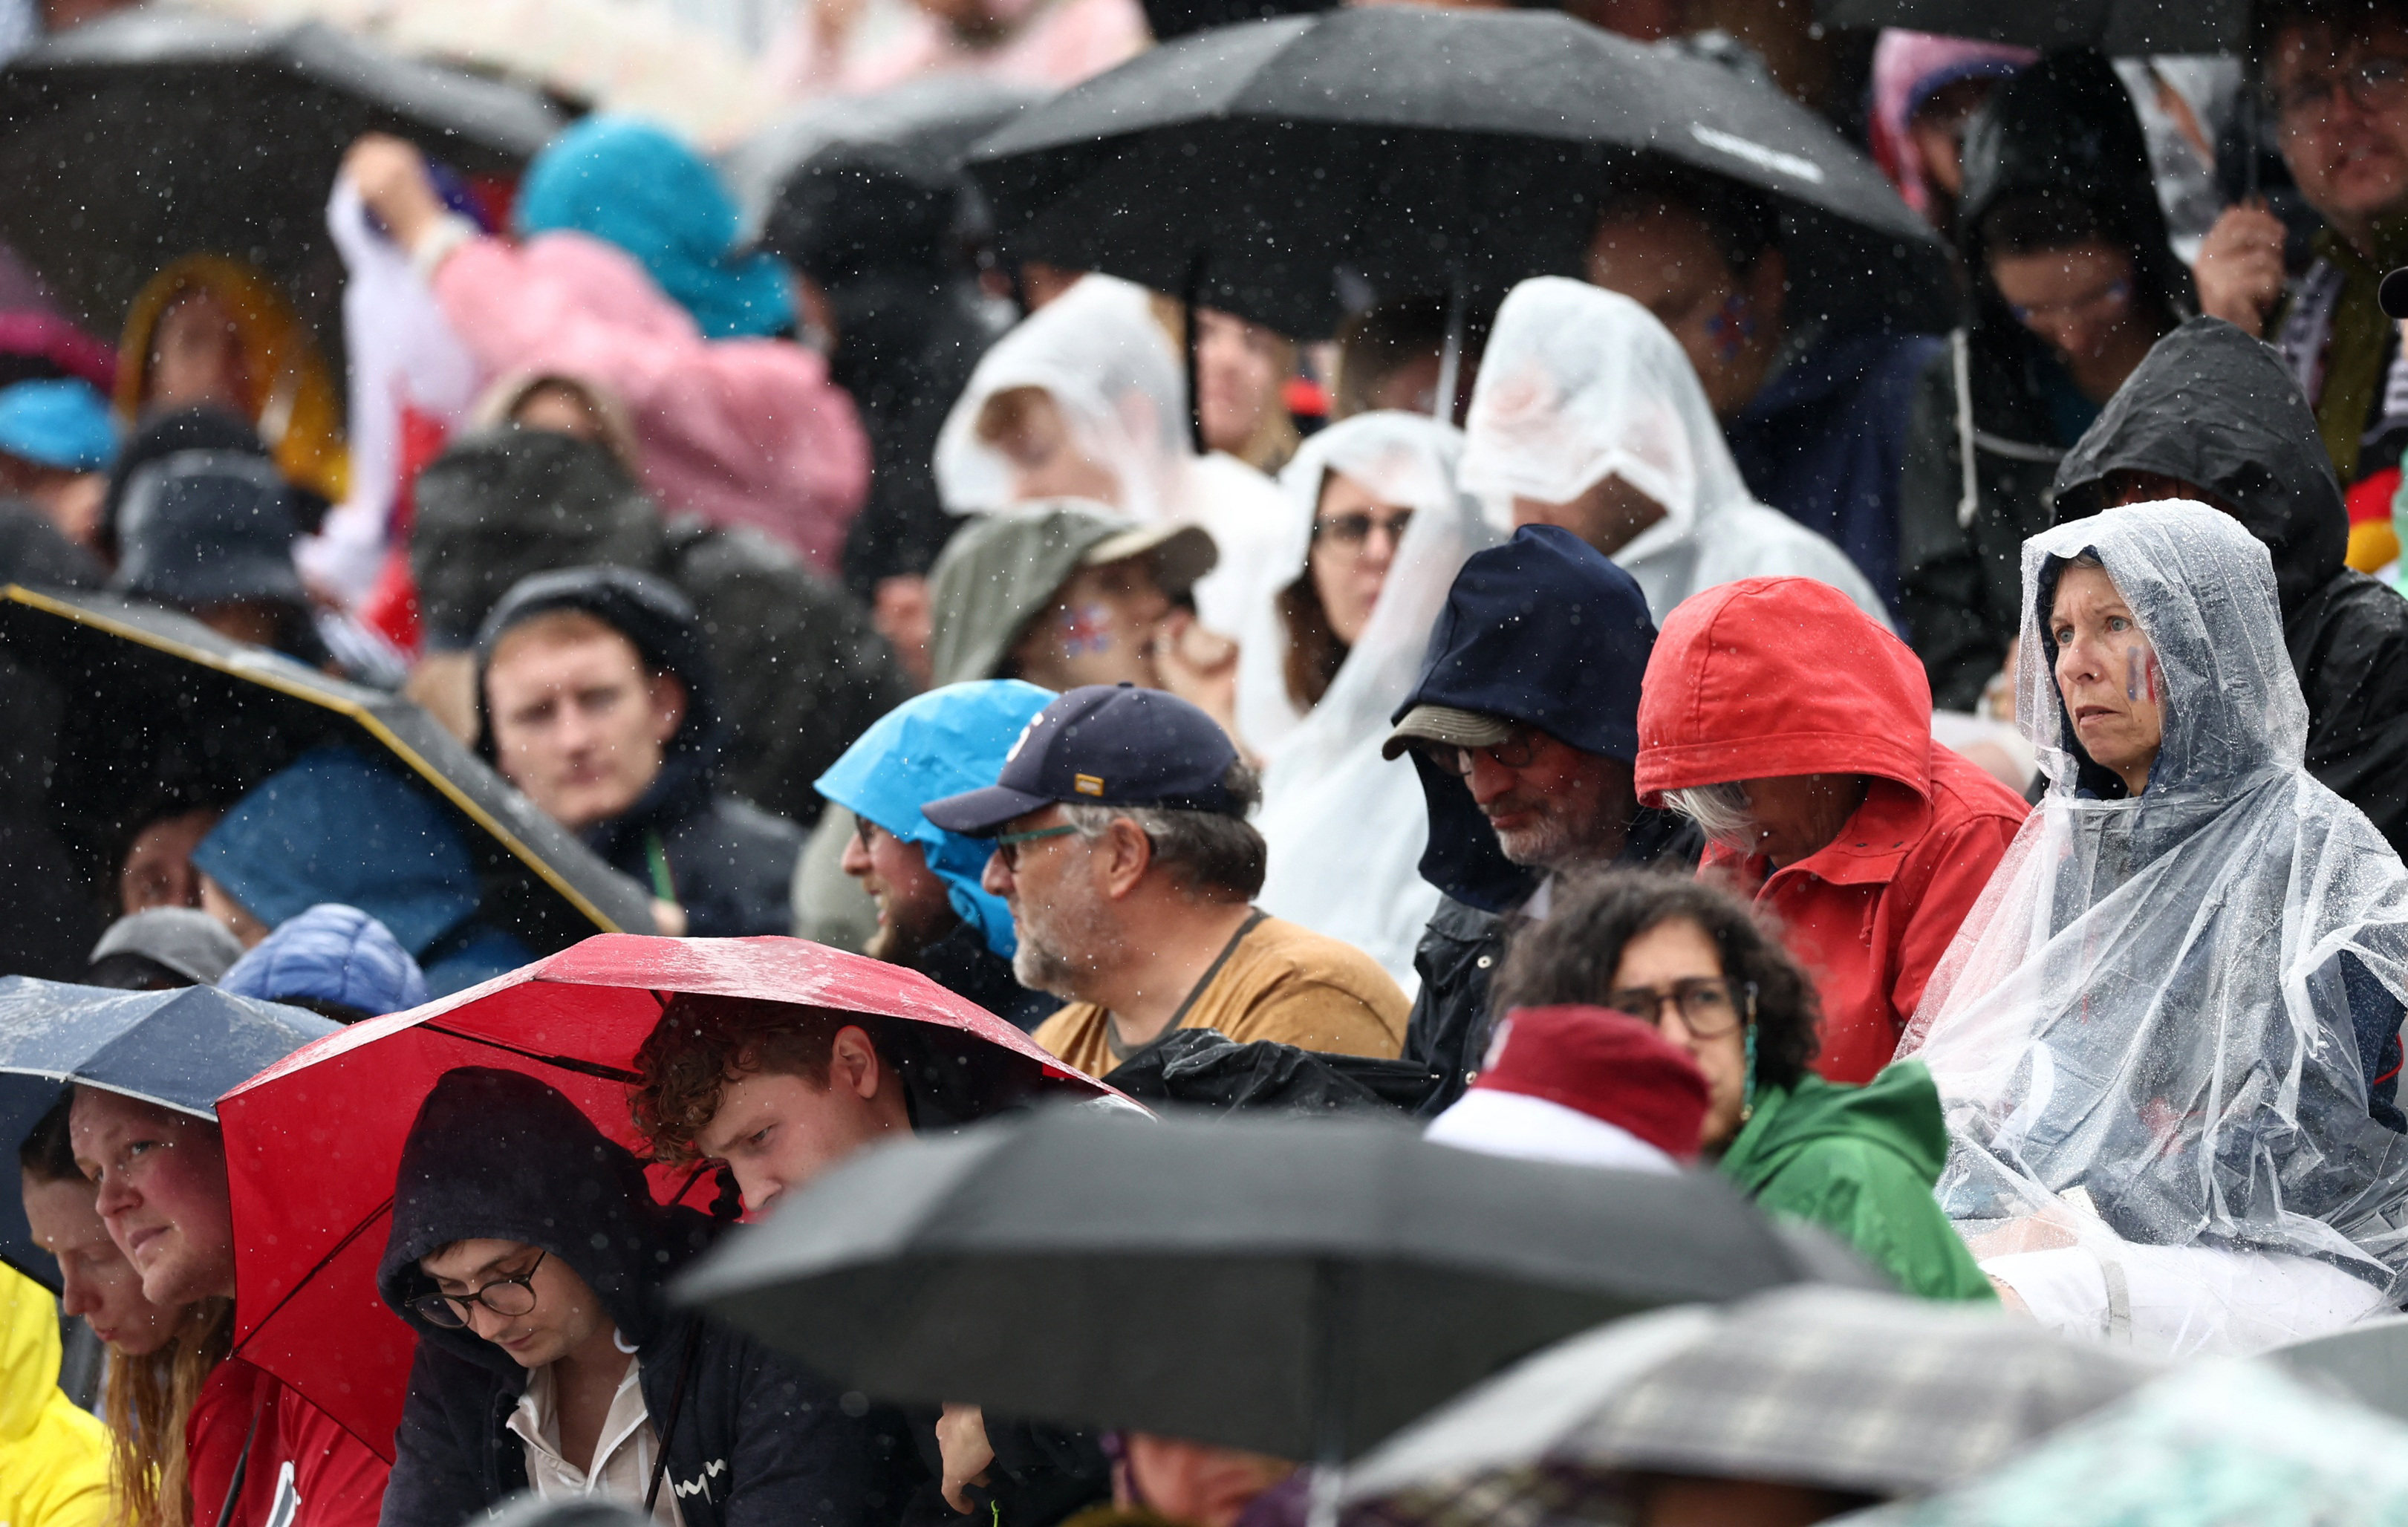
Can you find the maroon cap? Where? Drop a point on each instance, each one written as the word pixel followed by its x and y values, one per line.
pixel 1606 1065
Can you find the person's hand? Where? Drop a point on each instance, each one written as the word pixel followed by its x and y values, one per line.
pixel 2043 1232
pixel 394 182
pixel 2009 1300
pixel 961 1438
pixel 670 917
pixel 901 613
pixel 2240 267
pixel 1200 666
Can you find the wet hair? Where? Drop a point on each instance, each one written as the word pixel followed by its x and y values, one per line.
pixel 47 1154
pixel 2347 21
pixel 1213 855
pixel 702 1043
pixel 126 970
pixel 1570 959
pixel 2035 221
pixel 1741 227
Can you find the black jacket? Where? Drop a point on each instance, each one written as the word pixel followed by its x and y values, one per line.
pixel 751 1438
pixel 1544 631
pixel 728 864
pixel 2218 410
pixel 2065 125
pixel 962 963
pixel 800 672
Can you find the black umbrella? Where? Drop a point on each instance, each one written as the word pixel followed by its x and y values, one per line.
pixel 2126 27
pixel 154 133
pixel 160 711
pixel 1427 150
pixel 1299 1288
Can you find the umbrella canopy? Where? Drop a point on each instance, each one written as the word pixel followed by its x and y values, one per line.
pixel 1872 1393
pixel 1424 150
pixel 2124 27
pixel 1301 1289
pixel 934 122
pixel 153 133
pixel 168 711
pixel 312 1145
pixel 2213 1445
pixel 178 1049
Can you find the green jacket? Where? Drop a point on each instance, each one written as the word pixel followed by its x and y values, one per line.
pixel 1860 1162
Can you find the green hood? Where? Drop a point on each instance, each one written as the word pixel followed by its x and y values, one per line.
pixel 1899 1109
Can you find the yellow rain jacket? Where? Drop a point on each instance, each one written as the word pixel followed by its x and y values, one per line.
pixel 53 1458
pixel 295 409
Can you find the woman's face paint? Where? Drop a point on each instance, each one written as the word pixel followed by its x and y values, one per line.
pixel 1086 629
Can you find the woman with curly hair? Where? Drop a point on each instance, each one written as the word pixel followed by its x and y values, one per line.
pixel 1692 959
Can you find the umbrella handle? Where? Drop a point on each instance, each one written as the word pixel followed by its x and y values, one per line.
pixel 1188 296
pixel 1450 363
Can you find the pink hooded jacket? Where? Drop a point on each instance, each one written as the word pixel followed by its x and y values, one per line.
pixel 741 431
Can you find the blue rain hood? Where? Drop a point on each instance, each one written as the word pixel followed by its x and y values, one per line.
pixel 633 184
pixel 938 744
pixel 330 953
pixel 334 826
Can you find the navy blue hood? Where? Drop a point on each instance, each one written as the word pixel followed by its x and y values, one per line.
pixel 1546 631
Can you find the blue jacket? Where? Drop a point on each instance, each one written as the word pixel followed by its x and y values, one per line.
pixel 1825 442
pixel 331 954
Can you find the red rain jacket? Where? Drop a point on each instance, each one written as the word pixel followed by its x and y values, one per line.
pixel 1783 676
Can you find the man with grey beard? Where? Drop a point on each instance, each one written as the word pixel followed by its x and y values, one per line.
pixel 1122 849
pixel 1523 726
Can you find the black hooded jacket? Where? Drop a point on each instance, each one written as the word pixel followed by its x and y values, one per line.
pixel 2066 126
pixel 727 864
pixel 751 1438
pixel 1545 631
pixel 2218 410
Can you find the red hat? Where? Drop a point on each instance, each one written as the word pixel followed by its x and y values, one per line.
pixel 1606 1065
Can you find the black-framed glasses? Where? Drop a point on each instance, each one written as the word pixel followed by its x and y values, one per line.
pixel 1007 845
pixel 2377 82
pixel 1519 750
pixel 1353 530
pixel 509 1297
pixel 862 828
pixel 1709 1006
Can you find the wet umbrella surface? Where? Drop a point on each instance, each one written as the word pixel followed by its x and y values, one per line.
pixel 164 710
pixel 1422 149
pixel 1295 1288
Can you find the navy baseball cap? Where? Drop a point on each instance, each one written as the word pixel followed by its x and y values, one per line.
pixel 1103 745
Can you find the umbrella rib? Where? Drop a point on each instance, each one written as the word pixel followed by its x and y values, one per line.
pixel 566 1062
pixel 318 1266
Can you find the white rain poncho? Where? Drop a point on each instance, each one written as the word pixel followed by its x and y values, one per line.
pixel 1578 383
pixel 1112 371
pixel 1345 827
pixel 2154 1034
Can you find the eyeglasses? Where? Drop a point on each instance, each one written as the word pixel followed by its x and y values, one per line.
pixel 2376 83
pixel 2112 298
pixel 862 828
pixel 1007 845
pixel 1519 749
pixel 505 1296
pixel 1710 1006
pixel 1354 531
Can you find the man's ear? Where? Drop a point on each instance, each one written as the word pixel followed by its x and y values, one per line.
pixel 668 698
pixel 1126 854
pixel 853 1064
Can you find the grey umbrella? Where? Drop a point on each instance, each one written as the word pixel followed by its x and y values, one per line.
pixel 1300 1289
pixel 2112 26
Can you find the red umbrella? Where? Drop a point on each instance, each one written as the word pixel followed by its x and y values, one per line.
pixel 313 1143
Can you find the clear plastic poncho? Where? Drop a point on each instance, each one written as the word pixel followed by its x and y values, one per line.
pixel 2144 1035
pixel 1345 827
pixel 1578 383
pixel 1098 352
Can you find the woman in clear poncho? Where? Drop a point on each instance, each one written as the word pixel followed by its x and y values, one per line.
pixel 1086 398
pixel 2167 1033
pixel 1373 533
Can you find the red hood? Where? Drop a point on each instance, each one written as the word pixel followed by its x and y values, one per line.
pixel 1779 675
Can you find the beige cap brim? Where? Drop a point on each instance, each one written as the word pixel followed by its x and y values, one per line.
pixel 1446 724
pixel 1180 554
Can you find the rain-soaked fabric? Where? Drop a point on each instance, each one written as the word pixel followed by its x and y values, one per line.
pixel 53 1457
pixel 1109 368
pixel 1578 384
pixel 2157 1033
pixel 934 745
pixel 1346 827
